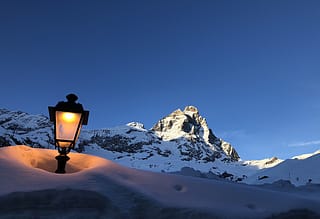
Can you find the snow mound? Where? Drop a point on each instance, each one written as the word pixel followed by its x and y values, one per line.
pixel 28 181
pixel 45 159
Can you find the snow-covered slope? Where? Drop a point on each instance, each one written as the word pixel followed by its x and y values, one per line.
pixel 297 171
pixel 97 188
pixel 180 143
pixel 304 156
pixel 264 163
pixel 18 127
pixel 181 139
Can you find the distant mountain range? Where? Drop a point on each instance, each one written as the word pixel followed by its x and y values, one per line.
pixel 181 143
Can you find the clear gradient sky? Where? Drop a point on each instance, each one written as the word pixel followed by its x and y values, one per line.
pixel 251 67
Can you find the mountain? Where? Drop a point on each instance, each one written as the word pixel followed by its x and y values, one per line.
pixel 180 143
pixel 18 128
pixel 189 125
pixel 181 139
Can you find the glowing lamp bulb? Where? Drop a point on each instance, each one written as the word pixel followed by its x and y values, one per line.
pixel 68 117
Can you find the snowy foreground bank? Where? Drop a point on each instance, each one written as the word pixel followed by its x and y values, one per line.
pixel 98 188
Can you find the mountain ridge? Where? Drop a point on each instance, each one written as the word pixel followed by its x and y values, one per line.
pixel 185 134
pixel 180 142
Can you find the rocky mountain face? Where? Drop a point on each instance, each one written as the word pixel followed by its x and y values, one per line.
pixel 201 142
pixel 18 128
pixel 181 139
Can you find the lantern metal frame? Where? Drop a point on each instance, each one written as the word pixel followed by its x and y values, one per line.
pixel 65 145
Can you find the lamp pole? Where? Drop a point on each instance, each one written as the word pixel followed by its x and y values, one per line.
pixel 68 118
pixel 62 159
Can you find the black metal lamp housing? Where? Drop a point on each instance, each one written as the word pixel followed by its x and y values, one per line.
pixel 68 118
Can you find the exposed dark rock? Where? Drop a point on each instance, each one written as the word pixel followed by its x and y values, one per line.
pixel 226 175
pixel 4 141
pixel 263 177
pixel 274 159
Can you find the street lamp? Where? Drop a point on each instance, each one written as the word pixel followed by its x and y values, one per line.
pixel 68 118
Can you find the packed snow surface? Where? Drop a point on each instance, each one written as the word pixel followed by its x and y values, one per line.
pixel 95 187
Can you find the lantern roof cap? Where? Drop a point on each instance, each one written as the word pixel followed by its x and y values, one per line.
pixel 72 98
pixel 70 105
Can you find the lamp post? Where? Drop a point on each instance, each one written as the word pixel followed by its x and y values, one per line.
pixel 68 118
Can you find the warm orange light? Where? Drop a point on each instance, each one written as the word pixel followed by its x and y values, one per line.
pixel 69 117
pixel 67 124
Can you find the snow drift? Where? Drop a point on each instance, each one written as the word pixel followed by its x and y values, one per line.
pixel 95 187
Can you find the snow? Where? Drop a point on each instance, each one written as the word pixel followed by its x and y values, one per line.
pixel 298 171
pixel 172 163
pixel 304 156
pixel 137 125
pixel 28 181
pixel 264 163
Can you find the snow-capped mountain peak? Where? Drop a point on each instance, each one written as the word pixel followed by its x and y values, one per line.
pixel 136 125
pixel 187 123
pixel 190 125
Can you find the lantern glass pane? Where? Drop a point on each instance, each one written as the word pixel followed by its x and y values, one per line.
pixel 66 125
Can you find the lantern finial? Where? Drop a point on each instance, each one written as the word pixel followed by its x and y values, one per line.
pixel 72 98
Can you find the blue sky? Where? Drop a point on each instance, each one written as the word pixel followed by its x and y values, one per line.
pixel 250 67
